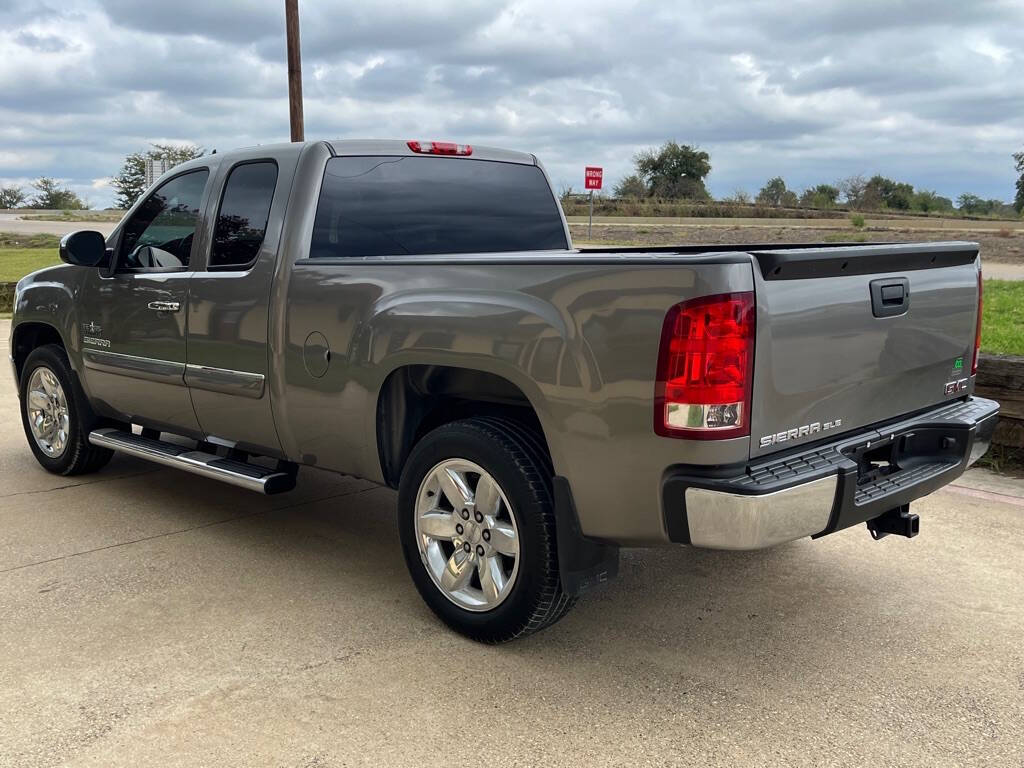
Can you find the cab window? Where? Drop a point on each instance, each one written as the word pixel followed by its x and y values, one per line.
pixel 242 218
pixel 159 234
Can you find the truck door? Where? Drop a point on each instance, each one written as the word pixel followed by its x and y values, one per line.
pixel 133 316
pixel 229 298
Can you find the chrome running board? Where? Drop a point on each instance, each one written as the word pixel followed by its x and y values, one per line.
pixel 250 476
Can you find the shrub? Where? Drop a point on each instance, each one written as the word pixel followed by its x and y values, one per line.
pixel 857 220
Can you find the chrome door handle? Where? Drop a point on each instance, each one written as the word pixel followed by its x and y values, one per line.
pixel 164 306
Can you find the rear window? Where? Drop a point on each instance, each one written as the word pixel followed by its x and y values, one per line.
pixel 384 206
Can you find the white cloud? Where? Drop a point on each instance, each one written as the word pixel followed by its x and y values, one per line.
pixel 813 90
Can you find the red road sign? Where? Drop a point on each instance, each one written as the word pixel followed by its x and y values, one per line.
pixel 592 177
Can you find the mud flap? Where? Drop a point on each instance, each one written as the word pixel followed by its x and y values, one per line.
pixel 583 562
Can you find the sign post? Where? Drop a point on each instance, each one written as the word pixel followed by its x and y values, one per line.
pixel 592 177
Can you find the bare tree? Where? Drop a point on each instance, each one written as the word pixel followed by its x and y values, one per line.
pixel 852 189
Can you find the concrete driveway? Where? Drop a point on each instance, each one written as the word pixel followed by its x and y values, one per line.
pixel 149 617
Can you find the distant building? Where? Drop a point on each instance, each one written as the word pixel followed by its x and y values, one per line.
pixel 155 168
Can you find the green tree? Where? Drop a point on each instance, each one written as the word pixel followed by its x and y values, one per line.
pixel 1018 201
pixel 674 171
pixel 930 201
pixel 631 186
pixel 820 196
pixel 968 203
pixel 52 196
pixel 896 195
pixel 773 192
pixel 130 182
pixel 12 197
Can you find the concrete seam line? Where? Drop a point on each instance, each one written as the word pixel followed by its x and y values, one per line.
pixel 78 485
pixel 185 530
pixel 1002 498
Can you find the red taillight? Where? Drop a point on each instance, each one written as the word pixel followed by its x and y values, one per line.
pixel 977 331
pixel 705 366
pixel 439 148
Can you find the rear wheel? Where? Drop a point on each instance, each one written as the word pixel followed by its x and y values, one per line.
pixel 478 529
pixel 55 417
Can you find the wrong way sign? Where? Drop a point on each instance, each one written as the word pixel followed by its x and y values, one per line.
pixel 592 177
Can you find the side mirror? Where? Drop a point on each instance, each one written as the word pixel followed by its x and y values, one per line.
pixel 85 248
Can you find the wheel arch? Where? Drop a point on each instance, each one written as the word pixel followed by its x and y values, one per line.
pixel 416 398
pixel 31 335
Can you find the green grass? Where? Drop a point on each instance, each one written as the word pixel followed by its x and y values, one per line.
pixel 15 263
pixel 846 237
pixel 1002 322
pixel 14 240
pixel 21 254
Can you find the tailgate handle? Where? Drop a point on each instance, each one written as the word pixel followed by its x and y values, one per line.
pixel 890 296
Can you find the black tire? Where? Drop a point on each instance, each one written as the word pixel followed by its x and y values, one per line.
pixel 516 459
pixel 79 455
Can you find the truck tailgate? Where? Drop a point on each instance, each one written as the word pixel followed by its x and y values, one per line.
pixel 829 357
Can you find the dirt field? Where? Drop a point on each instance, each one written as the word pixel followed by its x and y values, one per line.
pixel 1007 248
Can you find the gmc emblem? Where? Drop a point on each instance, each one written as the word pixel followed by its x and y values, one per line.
pixel 953 387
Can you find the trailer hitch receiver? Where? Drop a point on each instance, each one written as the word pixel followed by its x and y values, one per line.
pixel 899 521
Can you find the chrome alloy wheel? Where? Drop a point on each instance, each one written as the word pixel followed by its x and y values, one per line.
pixel 47 409
pixel 467 535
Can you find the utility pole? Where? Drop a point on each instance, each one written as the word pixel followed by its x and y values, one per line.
pixel 291 20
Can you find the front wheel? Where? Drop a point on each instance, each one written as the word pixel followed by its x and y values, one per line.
pixel 54 419
pixel 478 529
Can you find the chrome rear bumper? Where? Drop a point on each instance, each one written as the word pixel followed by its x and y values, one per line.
pixel 721 520
pixel 817 491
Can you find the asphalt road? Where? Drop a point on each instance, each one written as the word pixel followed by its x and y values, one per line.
pixel 12 222
pixel 148 617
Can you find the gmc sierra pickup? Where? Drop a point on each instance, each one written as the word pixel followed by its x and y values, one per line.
pixel 414 313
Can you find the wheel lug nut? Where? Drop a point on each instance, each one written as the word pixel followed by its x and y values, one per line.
pixel 467 548
pixel 459 529
pixel 479 550
pixel 465 514
pixel 487 535
pixel 479 517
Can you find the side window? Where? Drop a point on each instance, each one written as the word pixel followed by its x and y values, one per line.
pixel 244 210
pixel 160 233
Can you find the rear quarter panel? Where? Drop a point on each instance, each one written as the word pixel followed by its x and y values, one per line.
pixel 579 339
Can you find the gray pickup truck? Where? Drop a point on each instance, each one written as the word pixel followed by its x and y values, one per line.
pixel 414 313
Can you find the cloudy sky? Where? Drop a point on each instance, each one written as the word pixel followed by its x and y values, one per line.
pixel 926 91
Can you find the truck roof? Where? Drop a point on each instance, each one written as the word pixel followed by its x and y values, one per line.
pixel 355 147
pixel 401 147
